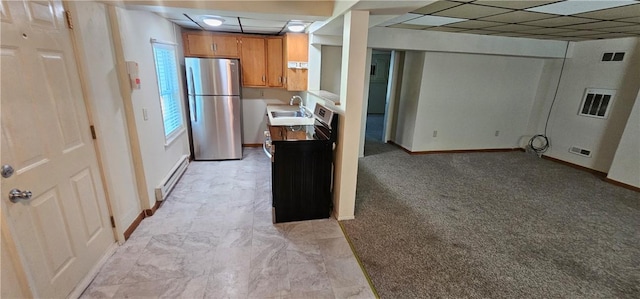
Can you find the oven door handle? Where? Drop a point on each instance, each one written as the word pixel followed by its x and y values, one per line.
pixel 266 151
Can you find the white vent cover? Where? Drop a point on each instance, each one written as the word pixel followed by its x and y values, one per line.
pixel 596 102
pixel 580 151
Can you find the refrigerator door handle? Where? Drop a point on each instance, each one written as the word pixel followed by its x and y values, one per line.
pixel 194 115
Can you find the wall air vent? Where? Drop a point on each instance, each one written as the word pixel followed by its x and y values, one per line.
pixel 580 151
pixel 613 56
pixel 596 102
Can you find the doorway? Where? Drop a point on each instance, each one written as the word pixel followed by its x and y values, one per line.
pixel 377 102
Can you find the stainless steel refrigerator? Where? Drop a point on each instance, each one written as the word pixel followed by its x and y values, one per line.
pixel 214 106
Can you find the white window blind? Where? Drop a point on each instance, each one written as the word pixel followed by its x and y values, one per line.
pixel 169 88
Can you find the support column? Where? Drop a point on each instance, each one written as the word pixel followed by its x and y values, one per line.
pixel 353 74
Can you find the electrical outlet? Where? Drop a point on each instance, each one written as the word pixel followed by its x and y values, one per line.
pixel 145 114
pixel 497 133
pixel 435 133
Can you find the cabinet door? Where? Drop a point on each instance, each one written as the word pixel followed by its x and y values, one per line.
pixel 199 45
pixel 296 49
pixel 253 57
pixel 275 63
pixel 225 46
pixel 206 45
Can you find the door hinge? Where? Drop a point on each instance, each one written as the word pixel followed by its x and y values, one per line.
pixel 113 222
pixel 67 15
pixel 93 131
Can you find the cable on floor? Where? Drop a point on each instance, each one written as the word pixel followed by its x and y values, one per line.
pixel 544 146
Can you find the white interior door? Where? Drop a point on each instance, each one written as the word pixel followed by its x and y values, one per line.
pixel 63 230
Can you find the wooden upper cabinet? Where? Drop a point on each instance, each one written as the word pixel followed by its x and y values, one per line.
pixel 275 62
pixel 210 45
pixel 253 61
pixel 296 50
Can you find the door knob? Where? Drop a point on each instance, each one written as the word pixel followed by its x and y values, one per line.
pixel 15 195
pixel 6 170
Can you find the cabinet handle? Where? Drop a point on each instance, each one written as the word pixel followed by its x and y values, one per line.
pixel 263 78
pixel 279 79
pixel 214 47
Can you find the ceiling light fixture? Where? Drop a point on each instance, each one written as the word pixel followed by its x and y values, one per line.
pixel 571 7
pixel 295 27
pixel 213 21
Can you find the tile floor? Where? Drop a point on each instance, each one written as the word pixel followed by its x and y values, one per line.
pixel 213 238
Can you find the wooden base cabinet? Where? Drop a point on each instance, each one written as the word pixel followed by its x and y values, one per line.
pixel 301 180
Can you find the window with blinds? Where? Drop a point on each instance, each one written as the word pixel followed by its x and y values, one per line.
pixel 596 102
pixel 169 88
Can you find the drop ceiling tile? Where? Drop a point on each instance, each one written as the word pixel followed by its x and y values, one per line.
pixel 261 23
pixel 514 28
pixel 479 31
pixel 186 24
pixel 632 20
pixel 173 16
pixel 408 26
pixel 400 19
pixel 573 39
pixel 522 4
pixel 511 34
pixel 227 20
pixel 267 30
pixel 470 11
pixel 598 25
pixel 631 28
pixel 579 33
pixel 445 29
pixel 517 17
pixel 225 28
pixel 608 35
pixel 430 20
pixel 559 21
pixel 544 31
pixel 475 24
pixel 628 11
pixel 436 7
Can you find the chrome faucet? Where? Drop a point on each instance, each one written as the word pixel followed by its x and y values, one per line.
pixel 299 100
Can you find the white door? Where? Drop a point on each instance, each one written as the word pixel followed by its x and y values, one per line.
pixel 63 229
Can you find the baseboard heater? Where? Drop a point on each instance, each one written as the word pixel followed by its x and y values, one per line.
pixel 167 184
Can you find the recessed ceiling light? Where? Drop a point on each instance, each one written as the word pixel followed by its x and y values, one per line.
pixel 571 7
pixel 295 27
pixel 212 21
pixel 434 21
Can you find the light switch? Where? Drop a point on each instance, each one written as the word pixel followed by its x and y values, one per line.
pixel 145 115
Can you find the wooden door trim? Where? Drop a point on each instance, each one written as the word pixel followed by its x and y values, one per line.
pixel 78 50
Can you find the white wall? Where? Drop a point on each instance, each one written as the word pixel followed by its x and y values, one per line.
pixel 137 28
pixel 254 108
pixel 97 62
pixel 625 167
pixel 466 98
pixel 585 70
pixel 410 89
pixel 330 69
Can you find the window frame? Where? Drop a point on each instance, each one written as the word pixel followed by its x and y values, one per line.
pixel 181 128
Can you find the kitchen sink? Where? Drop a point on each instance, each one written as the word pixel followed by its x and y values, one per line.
pixel 289 115
pixel 277 114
